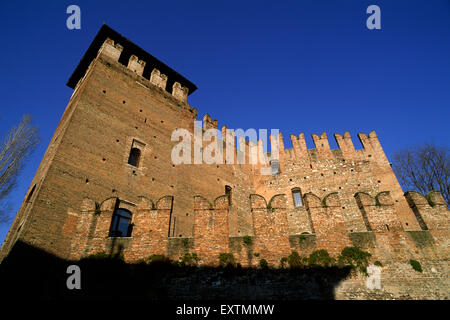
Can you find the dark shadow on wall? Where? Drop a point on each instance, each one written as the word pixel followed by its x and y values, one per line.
pixel 30 273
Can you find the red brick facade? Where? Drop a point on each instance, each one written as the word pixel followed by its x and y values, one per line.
pixel 349 196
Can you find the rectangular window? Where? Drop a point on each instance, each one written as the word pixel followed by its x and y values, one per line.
pixel 121 223
pixel 135 155
pixel 275 167
pixel 297 195
pixel 133 159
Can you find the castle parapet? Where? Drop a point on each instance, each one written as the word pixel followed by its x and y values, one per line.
pixel 208 123
pixel 322 145
pixel 345 143
pixel 372 150
pixel 111 49
pixel 136 65
pixel 299 145
pixel 111 45
pixel 179 92
pixel 372 147
pixel 158 79
pixel 277 145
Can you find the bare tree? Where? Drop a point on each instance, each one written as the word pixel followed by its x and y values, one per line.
pixel 15 148
pixel 424 168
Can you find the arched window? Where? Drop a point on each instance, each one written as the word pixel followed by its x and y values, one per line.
pixel 297 196
pixel 135 154
pixel 121 223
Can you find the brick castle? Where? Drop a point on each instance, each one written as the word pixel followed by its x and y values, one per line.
pixel 107 183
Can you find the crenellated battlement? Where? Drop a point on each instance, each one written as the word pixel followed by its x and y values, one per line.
pixel 372 150
pixel 136 65
pixel 113 51
pixel 116 48
pixel 158 79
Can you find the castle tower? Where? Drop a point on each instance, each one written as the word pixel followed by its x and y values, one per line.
pixel 114 142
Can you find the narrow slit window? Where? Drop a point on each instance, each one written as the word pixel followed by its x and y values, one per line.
pixel 297 196
pixel 31 194
pixel 228 193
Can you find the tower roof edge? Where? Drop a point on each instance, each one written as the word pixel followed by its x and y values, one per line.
pixel 107 32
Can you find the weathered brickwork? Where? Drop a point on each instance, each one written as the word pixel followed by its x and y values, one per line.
pixel 270 228
pixel 210 228
pixel 124 99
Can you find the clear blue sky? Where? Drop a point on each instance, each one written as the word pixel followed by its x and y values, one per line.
pixel 299 66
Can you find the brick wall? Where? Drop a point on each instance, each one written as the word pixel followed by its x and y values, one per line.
pixel 349 196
